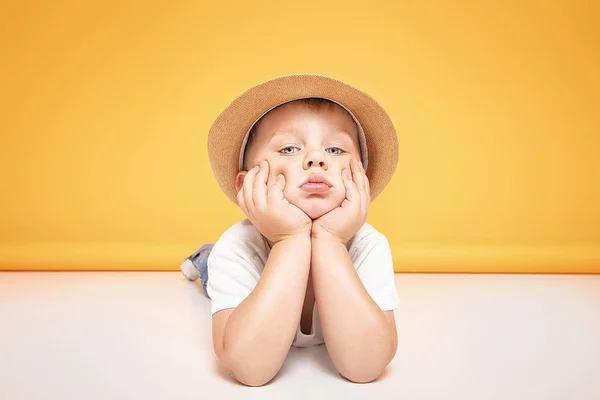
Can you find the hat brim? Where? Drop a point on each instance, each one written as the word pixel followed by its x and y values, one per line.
pixel 231 125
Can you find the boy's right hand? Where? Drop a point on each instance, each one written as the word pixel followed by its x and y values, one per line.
pixel 267 208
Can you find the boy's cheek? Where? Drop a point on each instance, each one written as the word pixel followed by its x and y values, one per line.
pixel 273 172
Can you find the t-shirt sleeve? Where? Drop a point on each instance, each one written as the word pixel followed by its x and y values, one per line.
pixel 376 271
pixel 232 275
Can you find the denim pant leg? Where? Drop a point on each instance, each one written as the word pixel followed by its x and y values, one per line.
pixel 200 261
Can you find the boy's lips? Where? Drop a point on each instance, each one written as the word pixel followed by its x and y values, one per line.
pixel 316 184
pixel 315 187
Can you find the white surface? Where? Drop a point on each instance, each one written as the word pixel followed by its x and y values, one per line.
pixel 147 335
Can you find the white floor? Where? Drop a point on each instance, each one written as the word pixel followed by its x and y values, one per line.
pixel 147 335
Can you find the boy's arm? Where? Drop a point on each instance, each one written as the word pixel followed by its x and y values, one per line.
pixel 361 338
pixel 253 340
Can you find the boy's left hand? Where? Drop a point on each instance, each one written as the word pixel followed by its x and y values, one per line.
pixel 344 221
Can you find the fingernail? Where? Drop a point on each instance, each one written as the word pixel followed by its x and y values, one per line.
pixel 263 164
pixel 360 163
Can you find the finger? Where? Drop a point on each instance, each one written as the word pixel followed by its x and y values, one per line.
pixel 357 179
pixel 367 183
pixel 364 188
pixel 260 186
pixel 276 189
pixel 358 176
pixel 368 189
pixel 352 193
pixel 248 185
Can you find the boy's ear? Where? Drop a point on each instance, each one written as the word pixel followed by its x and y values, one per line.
pixel 239 180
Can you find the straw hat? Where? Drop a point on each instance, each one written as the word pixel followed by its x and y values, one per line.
pixel 229 132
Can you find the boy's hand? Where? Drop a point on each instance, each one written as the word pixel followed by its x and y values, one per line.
pixel 270 212
pixel 344 221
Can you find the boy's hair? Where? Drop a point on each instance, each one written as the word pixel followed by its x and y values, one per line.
pixel 314 104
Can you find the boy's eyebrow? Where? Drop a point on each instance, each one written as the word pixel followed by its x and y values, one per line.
pixel 293 131
pixel 281 132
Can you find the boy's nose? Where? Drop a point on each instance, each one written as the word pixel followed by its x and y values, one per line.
pixel 313 159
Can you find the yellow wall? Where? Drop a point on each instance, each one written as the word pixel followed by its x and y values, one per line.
pixel 105 110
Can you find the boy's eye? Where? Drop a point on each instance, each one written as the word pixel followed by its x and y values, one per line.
pixel 286 148
pixel 336 151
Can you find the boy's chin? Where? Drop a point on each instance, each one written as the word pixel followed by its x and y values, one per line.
pixel 315 208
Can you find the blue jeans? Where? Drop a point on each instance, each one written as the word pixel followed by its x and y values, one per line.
pixel 200 260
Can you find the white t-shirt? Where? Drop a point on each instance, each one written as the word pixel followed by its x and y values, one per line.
pixel 239 256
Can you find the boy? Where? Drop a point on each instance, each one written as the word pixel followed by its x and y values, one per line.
pixel 293 154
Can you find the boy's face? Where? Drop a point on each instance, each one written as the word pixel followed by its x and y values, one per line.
pixel 299 143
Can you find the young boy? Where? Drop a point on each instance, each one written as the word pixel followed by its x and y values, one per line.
pixel 303 156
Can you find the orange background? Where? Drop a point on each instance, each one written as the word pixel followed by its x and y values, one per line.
pixel 106 109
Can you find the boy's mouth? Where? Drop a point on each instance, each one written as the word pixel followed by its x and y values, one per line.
pixel 315 187
pixel 316 184
pixel 316 178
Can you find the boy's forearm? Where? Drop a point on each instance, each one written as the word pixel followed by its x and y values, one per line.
pixel 261 329
pixel 356 331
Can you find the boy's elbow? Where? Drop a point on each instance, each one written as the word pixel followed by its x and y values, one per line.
pixel 251 378
pixel 360 372
pixel 249 373
pixel 255 381
pixel 361 375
